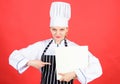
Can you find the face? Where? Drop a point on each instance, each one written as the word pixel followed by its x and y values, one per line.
pixel 58 33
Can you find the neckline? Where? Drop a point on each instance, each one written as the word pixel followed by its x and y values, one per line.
pixel 62 41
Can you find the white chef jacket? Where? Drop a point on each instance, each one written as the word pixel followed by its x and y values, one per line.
pixel 19 58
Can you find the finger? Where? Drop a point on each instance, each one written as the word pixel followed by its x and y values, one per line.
pixel 61 74
pixel 61 79
pixel 46 63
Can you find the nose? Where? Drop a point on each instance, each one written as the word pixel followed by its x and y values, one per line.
pixel 57 32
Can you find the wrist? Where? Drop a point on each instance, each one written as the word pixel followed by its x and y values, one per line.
pixel 74 75
pixel 29 62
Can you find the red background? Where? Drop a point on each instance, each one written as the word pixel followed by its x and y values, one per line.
pixel 95 23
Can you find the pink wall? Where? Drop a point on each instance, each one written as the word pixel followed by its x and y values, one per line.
pixel 95 23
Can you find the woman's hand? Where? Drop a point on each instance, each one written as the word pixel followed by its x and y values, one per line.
pixel 67 76
pixel 37 63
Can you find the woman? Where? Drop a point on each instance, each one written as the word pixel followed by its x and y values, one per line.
pixel 41 55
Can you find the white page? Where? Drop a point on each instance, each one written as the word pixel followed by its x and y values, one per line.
pixel 70 58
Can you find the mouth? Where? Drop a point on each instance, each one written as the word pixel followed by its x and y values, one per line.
pixel 57 36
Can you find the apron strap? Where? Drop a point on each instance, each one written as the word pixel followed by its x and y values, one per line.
pixel 47 47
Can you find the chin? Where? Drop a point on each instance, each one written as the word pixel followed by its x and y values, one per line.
pixel 58 39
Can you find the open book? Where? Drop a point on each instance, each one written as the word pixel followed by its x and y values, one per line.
pixel 70 58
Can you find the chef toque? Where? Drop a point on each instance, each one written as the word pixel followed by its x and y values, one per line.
pixel 60 13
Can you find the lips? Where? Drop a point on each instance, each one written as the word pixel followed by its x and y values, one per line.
pixel 57 36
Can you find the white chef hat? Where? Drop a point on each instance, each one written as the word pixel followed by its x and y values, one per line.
pixel 60 13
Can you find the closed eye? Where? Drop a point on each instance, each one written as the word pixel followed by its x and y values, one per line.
pixel 62 29
pixel 54 29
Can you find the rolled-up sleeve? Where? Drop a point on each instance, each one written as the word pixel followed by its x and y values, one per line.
pixel 18 61
pixel 19 58
pixel 91 72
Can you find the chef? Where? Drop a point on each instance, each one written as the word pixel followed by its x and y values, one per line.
pixel 41 55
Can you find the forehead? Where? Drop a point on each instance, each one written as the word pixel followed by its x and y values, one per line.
pixel 57 27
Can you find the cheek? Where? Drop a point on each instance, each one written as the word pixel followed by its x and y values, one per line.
pixel 63 33
pixel 52 32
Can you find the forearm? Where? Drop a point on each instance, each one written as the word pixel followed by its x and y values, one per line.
pixel 18 61
pixel 91 72
pixel 37 63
